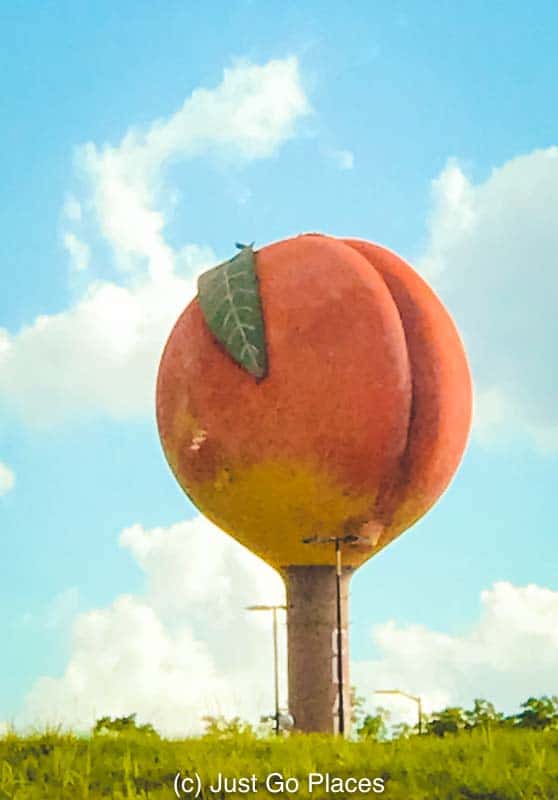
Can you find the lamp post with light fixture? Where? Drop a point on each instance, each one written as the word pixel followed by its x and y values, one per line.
pixel 274 609
pixel 415 698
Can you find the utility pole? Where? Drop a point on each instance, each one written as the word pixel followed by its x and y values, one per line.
pixel 274 610
pixel 338 568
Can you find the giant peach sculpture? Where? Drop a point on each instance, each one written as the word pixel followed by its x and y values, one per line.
pixel 314 387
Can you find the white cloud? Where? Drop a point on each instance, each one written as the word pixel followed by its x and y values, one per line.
pixel 79 251
pixel 510 654
pixel 344 159
pixel 7 479
pixel 248 116
pixel 185 648
pixel 101 354
pixel 491 255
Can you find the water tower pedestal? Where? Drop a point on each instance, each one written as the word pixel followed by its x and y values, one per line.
pixel 312 648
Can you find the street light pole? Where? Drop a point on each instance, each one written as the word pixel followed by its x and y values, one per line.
pixel 276 670
pixel 274 610
pixel 414 698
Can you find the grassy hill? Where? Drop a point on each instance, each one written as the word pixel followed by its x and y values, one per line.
pixel 480 765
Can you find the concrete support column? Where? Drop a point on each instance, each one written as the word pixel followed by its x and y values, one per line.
pixel 312 648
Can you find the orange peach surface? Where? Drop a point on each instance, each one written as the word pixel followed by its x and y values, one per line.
pixel 358 426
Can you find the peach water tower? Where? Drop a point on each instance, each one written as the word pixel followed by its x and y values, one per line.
pixel 314 401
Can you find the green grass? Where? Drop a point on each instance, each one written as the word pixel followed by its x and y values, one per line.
pixel 505 765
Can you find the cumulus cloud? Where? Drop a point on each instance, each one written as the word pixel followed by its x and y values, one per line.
pixel 7 479
pixel 491 255
pixel 248 116
pixel 185 648
pixel 511 653
pixel 101 354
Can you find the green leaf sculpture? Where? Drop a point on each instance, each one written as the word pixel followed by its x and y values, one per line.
pixel 229 298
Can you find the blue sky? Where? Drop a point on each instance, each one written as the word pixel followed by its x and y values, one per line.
pixel 423 126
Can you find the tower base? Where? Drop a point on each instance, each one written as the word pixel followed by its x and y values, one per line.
pixel 312 648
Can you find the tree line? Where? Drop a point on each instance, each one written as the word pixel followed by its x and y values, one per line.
pixel 536 713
